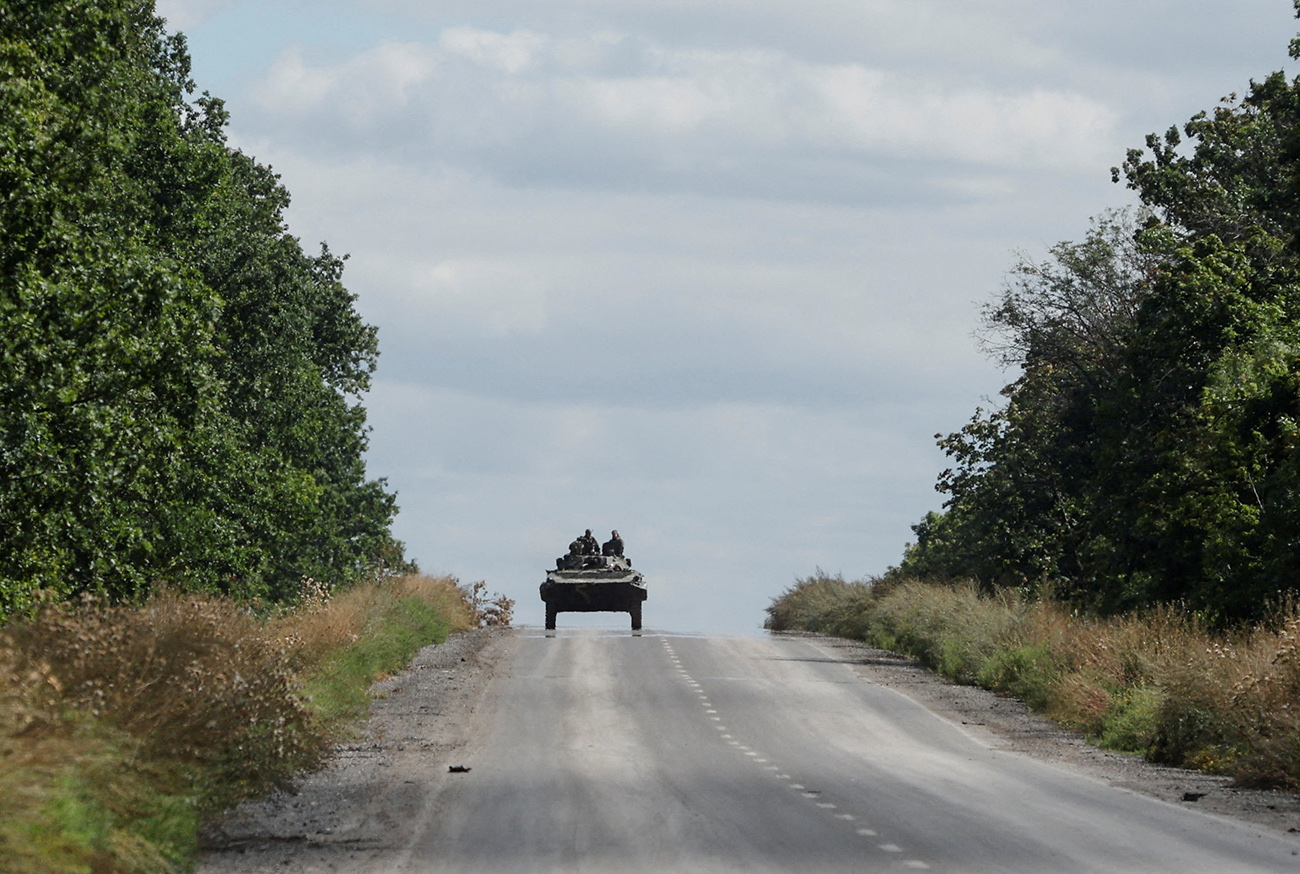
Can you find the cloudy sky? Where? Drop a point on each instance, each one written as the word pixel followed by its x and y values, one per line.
pixel 705 271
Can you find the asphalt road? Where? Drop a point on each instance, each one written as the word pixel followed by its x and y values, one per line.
pixel 609 751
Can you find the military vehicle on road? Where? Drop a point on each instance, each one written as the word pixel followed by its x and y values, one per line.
pixel 593 583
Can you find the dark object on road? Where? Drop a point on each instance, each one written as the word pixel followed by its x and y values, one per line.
pixel 584 583
pixel 1193 796
pixel 458 769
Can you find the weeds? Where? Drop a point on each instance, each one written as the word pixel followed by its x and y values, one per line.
pixel 1156 683
pixel 820 603
pixel 488 611
pixel 366 633
pixel 122 727
pixel 195 682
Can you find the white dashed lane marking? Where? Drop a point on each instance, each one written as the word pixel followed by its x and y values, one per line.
pixel 813 795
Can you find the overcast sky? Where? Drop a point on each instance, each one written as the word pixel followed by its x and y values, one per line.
pixel 705 271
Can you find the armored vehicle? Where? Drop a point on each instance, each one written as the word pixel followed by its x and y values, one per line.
pixel 593 583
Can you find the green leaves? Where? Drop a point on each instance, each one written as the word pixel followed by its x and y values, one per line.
pixel 1150 448
pixel 178 380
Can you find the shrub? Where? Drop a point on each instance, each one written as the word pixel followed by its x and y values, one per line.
pixel 819 603
pixel 194 681
pixel 1156 682
pixel 121 727
pixel 1132 721
pixel 488 611
pixel 1028 671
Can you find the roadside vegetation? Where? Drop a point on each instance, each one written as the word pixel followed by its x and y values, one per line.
pixel 1120 540
pixel 1156 682
pixel 180 380
pixel 1147 448
pixel 124 728
pixel 181 460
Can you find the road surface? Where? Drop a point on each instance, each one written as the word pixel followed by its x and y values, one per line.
pixel 611 751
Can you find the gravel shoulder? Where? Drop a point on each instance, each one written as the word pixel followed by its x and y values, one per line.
pixel 362 810
pixel 1007 724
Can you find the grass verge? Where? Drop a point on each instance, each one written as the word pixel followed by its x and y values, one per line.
pixel 1158 684
pixel 122 728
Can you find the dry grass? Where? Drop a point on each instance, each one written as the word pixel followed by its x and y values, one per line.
pixel 344 643
pixel 442 593
pixel 1156 683
pixel 821 603
pixel 324 623
pixel 120 727
pixel 488 611
pixel 194 681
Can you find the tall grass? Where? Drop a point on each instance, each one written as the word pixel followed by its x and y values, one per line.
pixel 121 728
pixel 1157 683
pixel 366 632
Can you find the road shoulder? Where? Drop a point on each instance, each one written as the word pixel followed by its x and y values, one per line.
pixel 361 811
pixel 1008 724
pixel 363 807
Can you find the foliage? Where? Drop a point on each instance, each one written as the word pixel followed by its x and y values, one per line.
pixel 1159 683
pixel 122 727
pixel 367 632
pixel 817 603
pixel 178 379
pixel 489 611
pixel 1147 451
pixel 1020 500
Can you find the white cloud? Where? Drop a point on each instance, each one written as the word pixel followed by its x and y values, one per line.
pixel 509 52
pixel 366 90
pixel 527 107
pixel 659 300
pixel 491 298
pixel 702 270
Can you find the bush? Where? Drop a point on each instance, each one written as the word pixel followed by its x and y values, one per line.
pixel 122 727
pixel 819 603
pixel 488 611
pixel 193 681
pixel 1132 722
pixel 1028 672
pixel 1158 683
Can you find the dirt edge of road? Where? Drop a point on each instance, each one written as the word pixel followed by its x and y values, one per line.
pixel 1008 724
pixel 368 804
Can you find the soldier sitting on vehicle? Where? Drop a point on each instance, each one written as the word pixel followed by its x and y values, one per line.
pixel 585 545
pixel 613 546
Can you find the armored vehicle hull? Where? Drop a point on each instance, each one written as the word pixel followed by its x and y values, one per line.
pixel 593 584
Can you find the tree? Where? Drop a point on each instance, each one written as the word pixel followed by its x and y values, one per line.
pixel 1018 507
pixel 1148 450
pixel 178 380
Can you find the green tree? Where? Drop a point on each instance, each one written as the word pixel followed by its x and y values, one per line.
pixel 1018 506
pixel 179 382
pixel 1148 450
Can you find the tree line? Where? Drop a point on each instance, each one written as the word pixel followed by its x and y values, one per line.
pixel 179 379
pixel 1148 450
